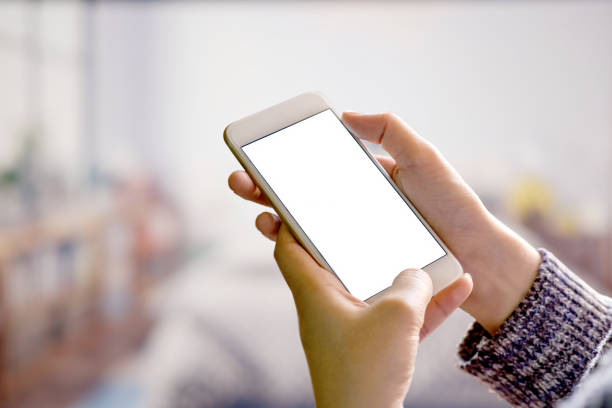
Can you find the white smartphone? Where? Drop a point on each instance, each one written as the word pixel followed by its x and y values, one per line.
pixel 338 201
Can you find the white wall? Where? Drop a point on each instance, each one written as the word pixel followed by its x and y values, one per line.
pixel 504 89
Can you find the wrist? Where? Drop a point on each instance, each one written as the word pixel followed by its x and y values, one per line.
pixel 347 392
pixel 336 402
pixel 357 399
pixel 503 270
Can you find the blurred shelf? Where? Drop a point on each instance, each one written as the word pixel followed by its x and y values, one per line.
pixel 72 366
pixel 102 257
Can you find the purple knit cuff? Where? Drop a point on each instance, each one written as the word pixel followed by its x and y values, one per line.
pixel 544 348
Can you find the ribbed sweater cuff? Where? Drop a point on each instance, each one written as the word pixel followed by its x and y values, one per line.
pixel 546 345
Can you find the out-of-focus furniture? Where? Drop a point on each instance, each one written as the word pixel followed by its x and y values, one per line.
pixel 73 285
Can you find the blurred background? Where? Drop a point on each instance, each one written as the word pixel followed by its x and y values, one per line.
pixel 130 276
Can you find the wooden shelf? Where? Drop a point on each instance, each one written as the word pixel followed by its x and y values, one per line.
pixel 72 366
pixel 78 338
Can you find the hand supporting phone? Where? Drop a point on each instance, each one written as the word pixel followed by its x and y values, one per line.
pixel 335 197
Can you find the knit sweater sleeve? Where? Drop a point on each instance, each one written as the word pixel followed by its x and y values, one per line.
pixel 547 345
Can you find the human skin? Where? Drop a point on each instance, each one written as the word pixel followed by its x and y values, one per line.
pixel 501 265
pixel 360 354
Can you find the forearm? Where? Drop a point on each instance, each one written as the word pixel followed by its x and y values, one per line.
pixel 545 347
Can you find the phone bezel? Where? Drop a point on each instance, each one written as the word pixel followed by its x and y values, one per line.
pixel 443 271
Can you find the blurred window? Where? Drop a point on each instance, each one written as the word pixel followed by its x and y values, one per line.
pixel 41 77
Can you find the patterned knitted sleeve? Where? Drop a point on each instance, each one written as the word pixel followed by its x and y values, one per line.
pixel 547 345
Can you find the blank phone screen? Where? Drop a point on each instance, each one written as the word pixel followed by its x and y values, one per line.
pixel 342 201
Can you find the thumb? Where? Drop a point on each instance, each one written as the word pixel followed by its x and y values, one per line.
pixel 410 293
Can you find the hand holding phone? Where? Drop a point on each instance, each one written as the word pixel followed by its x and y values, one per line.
pixel 502 264
pixel 361 354
pixel 332 321
pixel 336 199
pixel 373 128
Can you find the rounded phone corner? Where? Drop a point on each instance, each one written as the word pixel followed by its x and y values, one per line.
pixel 444 271
pixel 314 94
pixel 458 266
pixel 226 134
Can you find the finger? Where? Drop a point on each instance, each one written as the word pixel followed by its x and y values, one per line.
pixel 305 277
pixel 242 184
pixel 411 291
pixel 387 162
pixel 268 224
pixel 445 303
pixel 403 144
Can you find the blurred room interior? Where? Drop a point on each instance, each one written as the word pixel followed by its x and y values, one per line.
pixel 131 276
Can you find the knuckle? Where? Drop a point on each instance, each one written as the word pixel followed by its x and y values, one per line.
pixel 399 306
pixel 391 117
pixel 404 275
pixel 416 277
pixel 427 152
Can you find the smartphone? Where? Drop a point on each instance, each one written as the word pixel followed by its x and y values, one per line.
pixel 335 197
